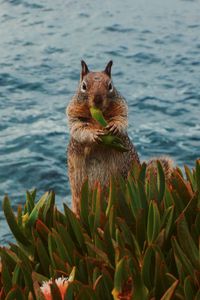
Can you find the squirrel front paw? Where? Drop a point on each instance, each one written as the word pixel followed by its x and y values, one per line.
pixel 96 135
pixel 114 128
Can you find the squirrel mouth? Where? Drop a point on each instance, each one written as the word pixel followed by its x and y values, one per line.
pixel 99 102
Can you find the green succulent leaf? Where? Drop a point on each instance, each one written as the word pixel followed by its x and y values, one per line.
pixel 186 239
pixel 11 220
pixel 148 267
pixel 6 278
pixel 169 294
pixel 167 220
pixel 75 227
pixel 190 177
pixel 16 275
pixel 120 275
pixel 43 256
pixel 84 204
pixel 180 254
pixel 29 202
pixel 198 175
pixel 34 213
pixel 112 195
pixel 189 288
pixel 97 209
pixel 161 181
pixel 15 293
pixel 42 229
pixel 153 223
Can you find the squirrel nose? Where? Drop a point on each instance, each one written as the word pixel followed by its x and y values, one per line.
pixel 98 99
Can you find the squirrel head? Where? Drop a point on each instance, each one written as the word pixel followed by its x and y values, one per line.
pixel 96 87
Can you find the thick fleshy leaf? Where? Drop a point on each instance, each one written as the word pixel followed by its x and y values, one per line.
pixel 34 213
pixel 140 290
pixel 15 293
pixel 86 293
pixel 120 275
pixel 84 204
pixel 189 288
pixel 47 211
pixel 72 290
pixel 151 185
pixel 190 177
pixel 161 181
pixel 97 209
pixel 181 187
pixel 52 247
pixel 42 229
pixel 11 220
pixel 148 267
pixel 16 275
pixel 168 199
pixel 62 251
pixel 168 220
pixel 6 278
pixel 109 244
pixel 186 239
pixel 29 202
pixel 67 241
pixel 180 254
pixel 43 256
pixel 39 277
pixel 134 197
pixel 75 227
pixel 153 223
pixel 197 296
pixel 198 175
pixel 112 195
pixel 97 252
pixel 169 294
pixel 112 221
pixel 103 286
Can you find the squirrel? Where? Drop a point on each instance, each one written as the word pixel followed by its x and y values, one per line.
pixel 87 157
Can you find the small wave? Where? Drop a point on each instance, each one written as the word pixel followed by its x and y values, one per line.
pixel 25 4
pixel 144 57
pixel 52 50
pixel 119 28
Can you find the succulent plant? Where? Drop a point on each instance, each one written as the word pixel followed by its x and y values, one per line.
pixel 137 240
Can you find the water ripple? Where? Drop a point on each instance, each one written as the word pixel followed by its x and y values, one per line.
pixel 119 29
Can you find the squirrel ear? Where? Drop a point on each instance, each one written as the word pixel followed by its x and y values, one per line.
pixel 84 70
pixel 108 68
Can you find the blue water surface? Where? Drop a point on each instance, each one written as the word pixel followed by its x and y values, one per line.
pixel 155 46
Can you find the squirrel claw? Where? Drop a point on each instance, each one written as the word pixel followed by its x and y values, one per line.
pixel 112 128
pixel 97 136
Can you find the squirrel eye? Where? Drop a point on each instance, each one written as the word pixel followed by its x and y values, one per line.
pixel 110 87
pixel 83 86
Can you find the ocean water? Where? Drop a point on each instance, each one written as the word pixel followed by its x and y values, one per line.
pixel 155 46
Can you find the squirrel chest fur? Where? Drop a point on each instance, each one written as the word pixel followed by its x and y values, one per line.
pixel 87 157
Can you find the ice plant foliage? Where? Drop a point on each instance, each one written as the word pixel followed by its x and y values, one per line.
pixel 138 240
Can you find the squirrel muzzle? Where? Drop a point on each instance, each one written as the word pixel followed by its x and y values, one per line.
pixel 99 101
